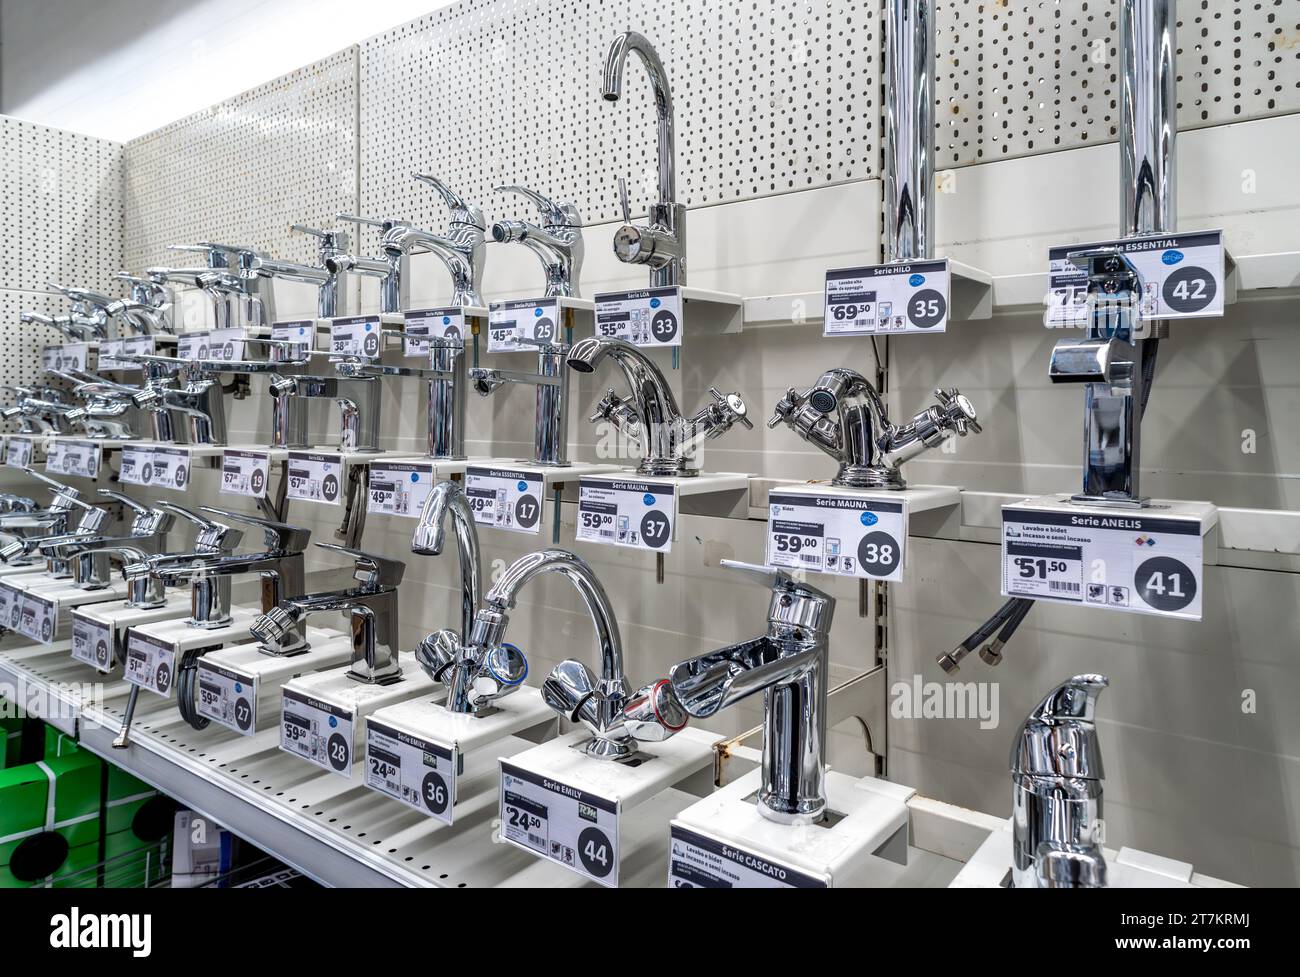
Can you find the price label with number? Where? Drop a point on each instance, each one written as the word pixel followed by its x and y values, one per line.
pixel 69 356
pixel 636 514
pixel 150 663
pixel 399 488
pixel 911 297
pixel 418 772
pixel 1141 563
pixel 1182 278
pixel 11 606
pixel 568 826
pixel 699 862
pixel 300 332
pixel 505 499
pixel 218 344
pixel 245 473
pixel 315 477
pixel 648 317
pixel 318 731
pixel 844 535
pixel 523 324
pixel 228 697
pixel 356 336
pixel 79 458
pixel 155 467
pixel 110 351
pixel 39 618
pixel 92 643
pixel 425 325
pixel 19 452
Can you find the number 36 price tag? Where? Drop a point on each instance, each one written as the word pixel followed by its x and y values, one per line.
pixel 842 534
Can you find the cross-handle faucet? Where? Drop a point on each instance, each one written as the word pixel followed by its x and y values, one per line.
pixel 372 607
pixel 557 242
pixel 789 665
pixel 1056 791
pixel 90 556
pixel 616 716
pixel 392 270
pixel 661 245
pixel 463 249
pixel 331 283
pixel 844 416
pixel 650 417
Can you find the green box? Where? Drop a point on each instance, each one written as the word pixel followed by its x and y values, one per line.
pixel 25 795
pixel 58 744
pixel 130 863
pixel 73 873
pixel 126 796
pixel 12 731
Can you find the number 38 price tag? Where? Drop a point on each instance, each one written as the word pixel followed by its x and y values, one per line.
pixel 847 535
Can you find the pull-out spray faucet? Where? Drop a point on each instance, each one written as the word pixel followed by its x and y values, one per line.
pixel 650 416
pixel 843 415
pixel 462 249
pixel 789 666
pixel 557 243
pixel 1056 790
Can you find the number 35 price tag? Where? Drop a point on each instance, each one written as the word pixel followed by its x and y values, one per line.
pixel 846 534
pixel 891 299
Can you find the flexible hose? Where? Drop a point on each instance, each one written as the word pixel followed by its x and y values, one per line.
pixel 186 688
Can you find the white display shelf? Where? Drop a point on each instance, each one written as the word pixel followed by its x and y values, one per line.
pixel 712 313
pixel 466 734
pixel 919 498
pixel 178 633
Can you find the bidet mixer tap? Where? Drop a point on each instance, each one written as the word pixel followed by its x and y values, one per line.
pixel 462 249
pixel 843 415
pixel 557 243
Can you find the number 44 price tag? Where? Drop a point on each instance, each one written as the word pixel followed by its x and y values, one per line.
pixel 889 299
pixel 639 515
pixel 568 826
pixel 842 534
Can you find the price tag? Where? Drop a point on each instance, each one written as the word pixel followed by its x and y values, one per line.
pixel 156 467
pixel 150 663
pixel 505 499
pixel 11 606
pixel 356 336
pixel 419 773
pixel 911 297
pixel 568 826
pixel 837 534
pixel 523 324
pixel 111 349
pixel 399 488
pixel 1123 562
pixel 649 317
pixel 636 514
pixel 244 473
pixel 315 477
pixel 92 643
pixel 317 731
pixel 80 458
pixel 697 862
pixel 228 697
pixel 70 356
pixel 218 344
pixel 1182 278
pixel 300 332
pixel 424 325
pixel 137 465
pixel 38 618
pixel 19 452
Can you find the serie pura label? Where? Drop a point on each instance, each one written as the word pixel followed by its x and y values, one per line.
pixel 634 513
pixel 423 326
pixel 356 336
pixel 416 771
pixel 894 299
pixel 561 823
pixel 523 324
pixel 646 317
pixel 505 498
pixel 318 731
pixel 837 534
pixel 698 862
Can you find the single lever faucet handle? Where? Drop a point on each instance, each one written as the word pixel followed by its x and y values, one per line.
pixel 126 500
pixel 552 213
pixel 308 229
pixel 212 535
pixel 279 536
pixel 622 198
pixel 67 491
pixel 461 211
pixel 382 571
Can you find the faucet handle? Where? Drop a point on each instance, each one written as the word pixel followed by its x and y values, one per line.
pixel 553 214
pixel 126 500
pixel 437 652
pixel 66 491
pixel 213 536
pixel 1059 736
pixel 461 212
pixel 81 295
pixel 336 240
pixel 655 713
pixel 380 570
pixel 730 408
pixel 622 199
pixel 958 410
pixel 279 537
pixel 776 580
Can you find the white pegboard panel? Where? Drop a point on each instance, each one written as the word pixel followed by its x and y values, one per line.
pixel 21 345
pixel 242 171
pixel 61 206
pixel 769 97
pixel 1036 76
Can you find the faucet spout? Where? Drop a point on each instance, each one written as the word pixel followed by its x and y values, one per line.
pixel 448 499
pixel 612 91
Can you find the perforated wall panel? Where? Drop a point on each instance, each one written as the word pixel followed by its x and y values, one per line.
pixel 769 97
pixel 242 171
pixel 21 345
pixel 1035 76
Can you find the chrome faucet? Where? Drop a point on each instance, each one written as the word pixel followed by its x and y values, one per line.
pixel 105 406
pixel 241 298
pixel 149 310
pixel 393 271
pixel 200 401
pixel 843 415
pixel 650 416
pixel 557 243
pixel 43 413
pixel 617 717
pixel 1056 791
pixel 463 249
pixel 90 309
pixel 73 331
pixel 56 566
pixel 331 283
pixel 25 523
pixel 551 422
pixel 371 606
pixel 89 556
pixel 357 393
pixel 789 665
pixel 661 245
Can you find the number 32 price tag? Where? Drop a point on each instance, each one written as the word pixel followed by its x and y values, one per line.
pixel 841 534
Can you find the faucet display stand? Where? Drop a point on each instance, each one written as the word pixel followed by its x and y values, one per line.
pixel 847 532
pixel 54 600
pixel 416 752
pixel 1143 560
pixel 564 806
pixel 240 686
pixel 99 633
pixel 153 650
pixel 323 715
pixel 723 842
